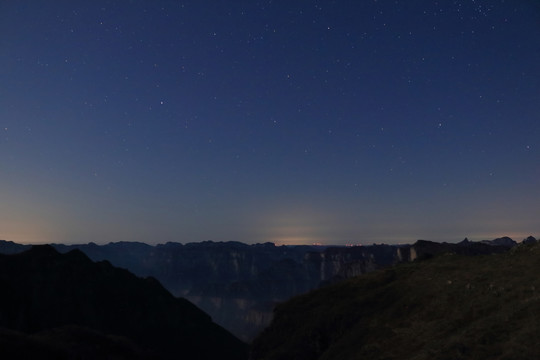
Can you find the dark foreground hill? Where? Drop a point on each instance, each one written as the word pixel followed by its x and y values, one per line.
pixel 445 307
pixel 64 306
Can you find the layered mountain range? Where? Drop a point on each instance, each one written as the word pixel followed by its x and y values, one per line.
pixel 239 285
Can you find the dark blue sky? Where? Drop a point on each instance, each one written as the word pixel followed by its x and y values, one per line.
pixel 292 122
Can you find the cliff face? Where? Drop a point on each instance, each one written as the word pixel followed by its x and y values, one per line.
pixel 239 284
pixel 338 263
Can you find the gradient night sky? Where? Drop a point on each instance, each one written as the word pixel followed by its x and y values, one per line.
pixel 293 122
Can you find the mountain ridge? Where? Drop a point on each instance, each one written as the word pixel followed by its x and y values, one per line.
pixel 46 290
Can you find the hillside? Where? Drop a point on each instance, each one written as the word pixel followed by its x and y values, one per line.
pixel 446 307
pixel 66 305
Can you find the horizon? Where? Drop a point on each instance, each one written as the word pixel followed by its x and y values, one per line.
pixel 517 239
pixel 311 122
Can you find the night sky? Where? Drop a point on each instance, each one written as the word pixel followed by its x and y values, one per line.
pixel 295 122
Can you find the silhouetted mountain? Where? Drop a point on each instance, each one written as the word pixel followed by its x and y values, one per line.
pixel 240 284
pixel 449 306
pixel 503 241
pixel 9 247
pixel 530 240
pixel 66 304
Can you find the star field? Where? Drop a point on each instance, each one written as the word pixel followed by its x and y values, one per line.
pixel 294 122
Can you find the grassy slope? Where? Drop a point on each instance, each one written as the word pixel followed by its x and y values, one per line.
pixel 449 307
